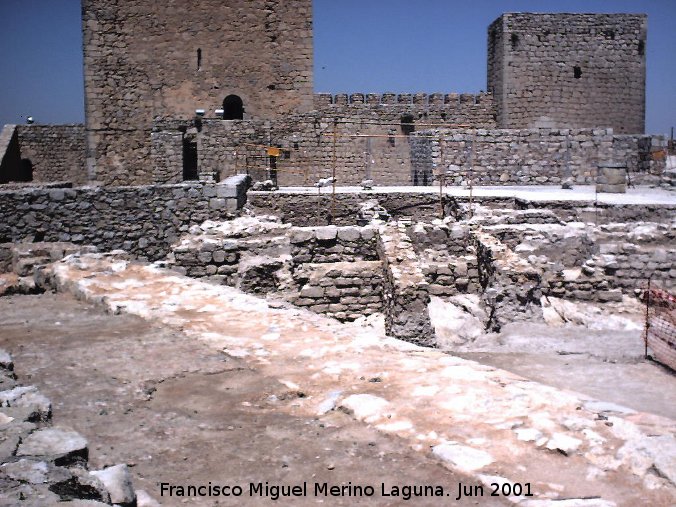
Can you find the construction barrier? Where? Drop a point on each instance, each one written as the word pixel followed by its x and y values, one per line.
pixel 660 325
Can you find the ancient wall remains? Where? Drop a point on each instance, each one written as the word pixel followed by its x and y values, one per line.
pixel 312 210
pixel 54 152
pixel 144 220
pixel 569 70
pixel 143 62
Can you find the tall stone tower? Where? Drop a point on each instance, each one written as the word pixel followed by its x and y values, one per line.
pixel 149 60
pixel 569 70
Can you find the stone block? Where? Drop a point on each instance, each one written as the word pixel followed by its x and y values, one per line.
pixel 326 233
pixel 349 234
pixel 312 292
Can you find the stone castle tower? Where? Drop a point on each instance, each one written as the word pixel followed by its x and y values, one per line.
pixel 569 70
pixel 150 60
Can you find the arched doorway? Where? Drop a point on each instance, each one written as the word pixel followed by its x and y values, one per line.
pixel 233 108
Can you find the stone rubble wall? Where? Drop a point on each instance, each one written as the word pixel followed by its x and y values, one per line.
pixel 628 266
pixel 44 464
pixel 585 262
pixel 534 156
pixel 512 287
pixel 446 252
pixel 333 244
pixel 459 275
pixel 56 152
pixel 301 264
pixel 313 209
pixel 405 290
pixel 344 290
pixel 600 213
pixel 143 220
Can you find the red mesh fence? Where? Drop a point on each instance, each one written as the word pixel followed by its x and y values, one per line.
pixel 660 331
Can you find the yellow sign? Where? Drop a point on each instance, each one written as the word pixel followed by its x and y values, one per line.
pixel 274 152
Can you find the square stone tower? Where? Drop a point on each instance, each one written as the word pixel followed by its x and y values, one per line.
pixel 569 70
pixel 149 60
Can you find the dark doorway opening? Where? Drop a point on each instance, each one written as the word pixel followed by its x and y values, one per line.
pixel 26 170
pixel 189 159
pixel 233 108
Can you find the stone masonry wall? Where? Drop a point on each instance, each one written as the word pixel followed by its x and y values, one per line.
pixel 569 70
pixel 511 285
pixel 405 290
pixel 226 148
pixel 344 290
pixel 142 62
pixel 313 209
pixel 535 156
pixel 56 152
pixel 416 110
pixel 143 220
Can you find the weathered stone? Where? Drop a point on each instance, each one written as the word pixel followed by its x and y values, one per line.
pixel 64 447
pixel 118 483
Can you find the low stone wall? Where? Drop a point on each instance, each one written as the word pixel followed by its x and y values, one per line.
pixel 405 290
pixel 628 266
pixel 313 209
pixel 332 244
pixel 143 220
pixel 344 290
pixel 581 211
pixel 576 285
pixel 511 286
pixel 459 275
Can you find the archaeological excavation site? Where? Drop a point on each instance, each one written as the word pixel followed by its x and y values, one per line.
pixel 225 288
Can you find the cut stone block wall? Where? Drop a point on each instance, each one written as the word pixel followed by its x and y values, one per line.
pixel 569 70
pixel 533 156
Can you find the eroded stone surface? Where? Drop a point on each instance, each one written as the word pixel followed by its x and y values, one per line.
pixel 460 392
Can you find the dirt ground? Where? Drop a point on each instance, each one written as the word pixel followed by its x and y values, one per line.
pixel 181 414
pixel 607 364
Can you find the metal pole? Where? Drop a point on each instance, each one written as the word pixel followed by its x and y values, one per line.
pixel 333 195
pixel 442 175
pixel 471 173
pixel 647 321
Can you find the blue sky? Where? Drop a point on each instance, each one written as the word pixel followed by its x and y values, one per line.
pixel 360 46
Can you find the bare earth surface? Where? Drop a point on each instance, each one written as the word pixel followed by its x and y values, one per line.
pixel 183 413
